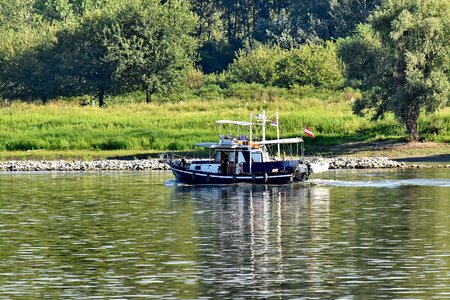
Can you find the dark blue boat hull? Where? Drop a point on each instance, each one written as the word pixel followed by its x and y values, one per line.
pixel 197 177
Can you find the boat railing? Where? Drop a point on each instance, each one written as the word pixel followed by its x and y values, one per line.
pixel 202 161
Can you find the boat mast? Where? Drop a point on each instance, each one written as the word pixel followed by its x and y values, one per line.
pixel 263 119
pixel 250 142
pixel 251 116
pixel 278 135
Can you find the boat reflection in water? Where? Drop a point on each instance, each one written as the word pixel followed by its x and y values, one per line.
pixel 249 231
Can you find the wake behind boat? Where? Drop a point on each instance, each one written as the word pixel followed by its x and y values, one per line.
pixel 245 159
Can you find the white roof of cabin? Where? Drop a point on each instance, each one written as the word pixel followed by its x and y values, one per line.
pixel 240 123
pixel 280 141
pixel 207 145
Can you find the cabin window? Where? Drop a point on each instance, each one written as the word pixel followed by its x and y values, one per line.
pixel 217 157
pixel 241 157
pixel 231 156
pixel 256 157
pixel 198 167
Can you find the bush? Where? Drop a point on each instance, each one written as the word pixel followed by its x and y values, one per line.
pixel 256 66
pixel 433 126
pixel 313 65
pixel 209 91
pixel 115 144
pixel 195 79
pixel 25 145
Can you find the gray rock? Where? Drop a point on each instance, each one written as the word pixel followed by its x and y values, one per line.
pixel 362 163
pixel 98 165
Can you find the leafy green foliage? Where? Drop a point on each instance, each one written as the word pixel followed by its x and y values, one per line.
pixel 402 60
pixel 234 24
pixel 15 14
pixel 256 66
pixel 103 48
pixel 151 49
pixel 123 45
pixel 26 64
pixel 270 65
pixel 311 65
pixel 81 58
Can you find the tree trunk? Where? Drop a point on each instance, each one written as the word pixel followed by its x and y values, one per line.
pixel 148 97
pixel 229 27
pixel 101 98
pixel 44 99
pixel 411 127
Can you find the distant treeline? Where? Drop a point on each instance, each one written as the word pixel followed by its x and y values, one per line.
pixel 54 48
pixel 228 25
pixel 67 48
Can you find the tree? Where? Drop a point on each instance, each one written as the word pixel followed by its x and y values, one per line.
pixel 151 45
pixel 311 20
pixel 347 14
pixel 63 10
pixel 31 75
pixel 401 60
pixel 26 63
pixel 81 58
pixel 46 53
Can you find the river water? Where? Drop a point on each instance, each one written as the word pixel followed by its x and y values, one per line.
pixel 345 234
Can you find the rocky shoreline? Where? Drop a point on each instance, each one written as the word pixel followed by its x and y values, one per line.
pixel 95 165
pixel 157 164
pixel 375 163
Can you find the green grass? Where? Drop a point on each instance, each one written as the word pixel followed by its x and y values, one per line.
pixel 176 125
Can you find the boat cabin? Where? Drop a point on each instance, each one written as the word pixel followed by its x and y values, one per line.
pixel 239 156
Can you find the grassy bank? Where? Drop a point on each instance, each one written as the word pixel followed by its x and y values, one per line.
pixel 140 129
pixel 416 152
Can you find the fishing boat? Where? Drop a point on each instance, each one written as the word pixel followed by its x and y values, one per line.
pixel 246 158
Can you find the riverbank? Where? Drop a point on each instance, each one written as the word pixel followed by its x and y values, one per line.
pixel 37 131
pixel 159 164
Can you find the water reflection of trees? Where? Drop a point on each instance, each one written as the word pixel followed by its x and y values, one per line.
pixel 249 231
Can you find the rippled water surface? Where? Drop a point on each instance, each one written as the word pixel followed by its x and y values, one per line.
pixel 349 235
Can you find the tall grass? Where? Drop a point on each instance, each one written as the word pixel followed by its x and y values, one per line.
pixel 180 124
